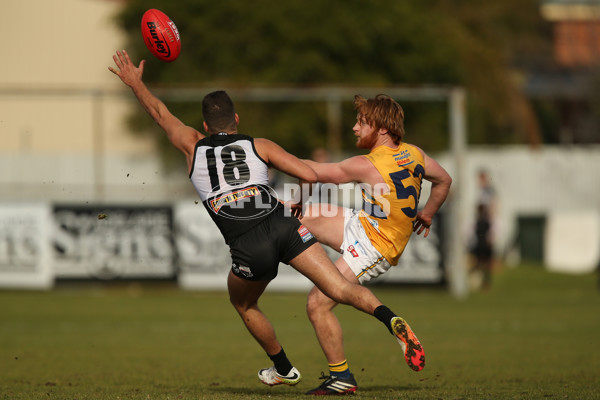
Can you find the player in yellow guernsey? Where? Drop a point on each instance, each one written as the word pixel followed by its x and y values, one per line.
pixel 373 238
pixel 387 218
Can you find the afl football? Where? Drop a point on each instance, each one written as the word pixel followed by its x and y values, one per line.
pixel 161 35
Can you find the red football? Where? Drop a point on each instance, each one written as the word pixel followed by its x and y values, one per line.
pixel 161 35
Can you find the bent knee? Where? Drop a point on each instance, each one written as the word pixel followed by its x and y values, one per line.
pixel 313 304
pixel 318 302
pixel 241 305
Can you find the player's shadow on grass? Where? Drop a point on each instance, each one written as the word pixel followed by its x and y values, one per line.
pixel 259 392
pixel 388 391
pixel 387 388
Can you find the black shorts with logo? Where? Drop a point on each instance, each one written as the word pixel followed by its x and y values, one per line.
pixel 256 253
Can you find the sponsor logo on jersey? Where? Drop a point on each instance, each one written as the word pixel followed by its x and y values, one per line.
pixel 304 233
pixel 248 203
pixel 233 197
pixel 403 158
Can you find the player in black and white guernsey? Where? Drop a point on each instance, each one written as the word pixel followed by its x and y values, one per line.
pixel 229 171
pixel 231 179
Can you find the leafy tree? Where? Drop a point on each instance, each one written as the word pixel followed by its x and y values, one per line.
pixel 265 43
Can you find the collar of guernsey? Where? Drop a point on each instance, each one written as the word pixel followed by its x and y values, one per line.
pixel 388 218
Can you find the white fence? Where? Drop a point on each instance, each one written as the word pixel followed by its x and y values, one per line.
pixel 550 182
pixel 41 243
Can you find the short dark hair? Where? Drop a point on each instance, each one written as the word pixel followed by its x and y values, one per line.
pixel 218 111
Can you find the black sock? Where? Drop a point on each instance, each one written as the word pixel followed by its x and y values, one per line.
pixel 281 362
pixel 385 315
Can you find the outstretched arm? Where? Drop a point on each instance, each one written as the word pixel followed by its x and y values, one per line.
pixel 353 169
pixel 288 163
pixel 283 161
pixel 440 186
pixel 181 136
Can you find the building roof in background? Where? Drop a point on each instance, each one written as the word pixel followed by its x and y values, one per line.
pixel 571 10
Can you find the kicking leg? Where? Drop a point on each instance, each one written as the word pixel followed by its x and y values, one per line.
pixel 326 222
pixel 344 288
pixel 329 229
pixel 316 266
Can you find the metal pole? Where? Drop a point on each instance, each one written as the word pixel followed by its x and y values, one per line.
pixel 334 126
pixel 457 266
pixel 98 144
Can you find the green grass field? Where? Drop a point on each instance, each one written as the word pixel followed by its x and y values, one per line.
pixel 534 335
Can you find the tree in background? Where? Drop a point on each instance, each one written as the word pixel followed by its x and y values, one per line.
pixel 261 43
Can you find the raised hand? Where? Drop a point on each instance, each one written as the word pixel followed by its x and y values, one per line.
pixel 127 71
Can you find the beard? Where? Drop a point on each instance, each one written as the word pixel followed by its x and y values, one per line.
pixel 366 142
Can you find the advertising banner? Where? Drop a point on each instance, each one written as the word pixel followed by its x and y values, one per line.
pixel 113 242
pixel 24 247
pixel 204 259
pixel 40 243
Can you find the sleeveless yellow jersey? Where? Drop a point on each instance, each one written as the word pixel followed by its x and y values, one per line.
pixel 388 218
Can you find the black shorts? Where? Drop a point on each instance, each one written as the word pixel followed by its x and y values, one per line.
pixel 256 253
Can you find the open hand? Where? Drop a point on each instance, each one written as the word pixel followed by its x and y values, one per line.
pixel 129 73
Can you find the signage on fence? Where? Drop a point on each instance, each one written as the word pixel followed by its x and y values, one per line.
pixel 204 259
pixel 113 242
pixel 39 243
pixel 24 248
